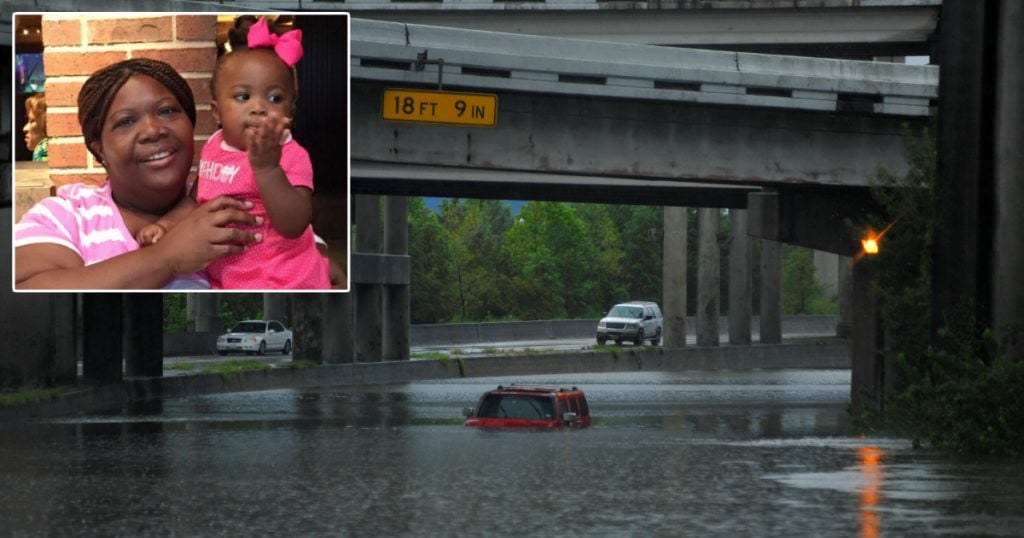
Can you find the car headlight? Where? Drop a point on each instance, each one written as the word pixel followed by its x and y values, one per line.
pixel 601 325
pixel 632 324
pixel 252 339
pixel 221 338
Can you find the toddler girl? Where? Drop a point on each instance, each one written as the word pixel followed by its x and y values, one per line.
pixel 254 158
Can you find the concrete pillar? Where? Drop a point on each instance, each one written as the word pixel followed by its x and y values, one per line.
pixel 826 272
pixel 397 307
pixel 191 308
pixel 38 329
pixel 308 327
pixel 338 327
pixel 674 277
pixel 369 299
pixel 844 320
pixel 868 373
pixel 1007 284
pixel 275 307
pixel 771 292
pixel 208 312
pixel 708 276
pixel 740 274
pixel 143 335
pixel 102 337
pixel 963 245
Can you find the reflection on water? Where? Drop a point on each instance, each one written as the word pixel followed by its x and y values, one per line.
pixel 739 453
pixel 870 456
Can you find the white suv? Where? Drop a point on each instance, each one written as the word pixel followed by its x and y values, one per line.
pixel 635 320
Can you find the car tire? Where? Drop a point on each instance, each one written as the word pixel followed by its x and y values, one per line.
pixel 601 341
pixel 222 352
pixel 618 341
pixel 639 337
pixel 287 349
pixel 263 348
pixel 657 338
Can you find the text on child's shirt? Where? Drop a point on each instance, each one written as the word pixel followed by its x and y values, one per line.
pixel 223 173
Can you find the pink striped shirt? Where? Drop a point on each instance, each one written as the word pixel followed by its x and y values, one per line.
pixel 84 219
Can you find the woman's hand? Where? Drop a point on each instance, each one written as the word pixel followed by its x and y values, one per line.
pixel 208 233
pixel 203 236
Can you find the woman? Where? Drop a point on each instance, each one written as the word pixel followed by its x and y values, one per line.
pixel 137 118
pixel 35 127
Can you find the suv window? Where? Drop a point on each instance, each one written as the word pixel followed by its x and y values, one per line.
pixel 517 406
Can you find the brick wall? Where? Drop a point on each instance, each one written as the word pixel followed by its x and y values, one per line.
pixel 77 45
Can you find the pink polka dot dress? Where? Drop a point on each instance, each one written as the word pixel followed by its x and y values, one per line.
pixel 277 262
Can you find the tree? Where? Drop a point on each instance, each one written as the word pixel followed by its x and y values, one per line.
pixel 430 252
pixel 556 269
pixel 800 289
pixel 479 271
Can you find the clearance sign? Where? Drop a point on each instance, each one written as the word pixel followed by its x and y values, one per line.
pixel 475 109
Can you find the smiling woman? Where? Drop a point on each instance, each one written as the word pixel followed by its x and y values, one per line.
pixel 137 119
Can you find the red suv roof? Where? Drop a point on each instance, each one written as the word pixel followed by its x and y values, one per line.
pixel 530 406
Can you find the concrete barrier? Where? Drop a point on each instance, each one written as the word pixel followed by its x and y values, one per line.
pixel 201 343
pixel 831 353
pixel 511 331
pixel 177 344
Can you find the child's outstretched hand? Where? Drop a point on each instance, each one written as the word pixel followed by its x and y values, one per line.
pixel 263 140
pixel 150 234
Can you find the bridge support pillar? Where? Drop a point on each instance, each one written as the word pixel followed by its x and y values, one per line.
pixel 771 292
pixel 308 327
pixel 1007 285
pixel 207 312
pixel 38 329
pixel 844 319
pixel 708 276
pixel 275 307
pixel 396 305
pixel 369 300
pixel 339 329
pixel 739 279
pixel 143 335
pixel 869 373
pixel 674 277
pixel 102 337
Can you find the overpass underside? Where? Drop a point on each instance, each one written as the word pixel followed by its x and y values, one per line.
pixel 612 123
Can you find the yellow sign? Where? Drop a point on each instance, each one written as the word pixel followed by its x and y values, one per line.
pixel 479 109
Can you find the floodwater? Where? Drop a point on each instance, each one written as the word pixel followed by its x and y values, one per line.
pixel 669 454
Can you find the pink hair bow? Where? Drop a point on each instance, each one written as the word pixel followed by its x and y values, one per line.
pixel 288 47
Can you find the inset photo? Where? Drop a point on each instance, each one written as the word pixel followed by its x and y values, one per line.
pixel 181 151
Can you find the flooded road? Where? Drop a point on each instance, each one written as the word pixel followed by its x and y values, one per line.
pixel 711 454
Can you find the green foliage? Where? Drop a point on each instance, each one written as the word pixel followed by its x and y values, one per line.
pixel 966 394
pixel 801 292
pixel 175 313
pixel 30 396
pixel 432 295
pixel 230 369
pixel 235 307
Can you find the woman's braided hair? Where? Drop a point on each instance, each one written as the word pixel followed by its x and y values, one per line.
pixel 99 90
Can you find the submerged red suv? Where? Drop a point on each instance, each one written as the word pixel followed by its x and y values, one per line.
pixel 530 406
